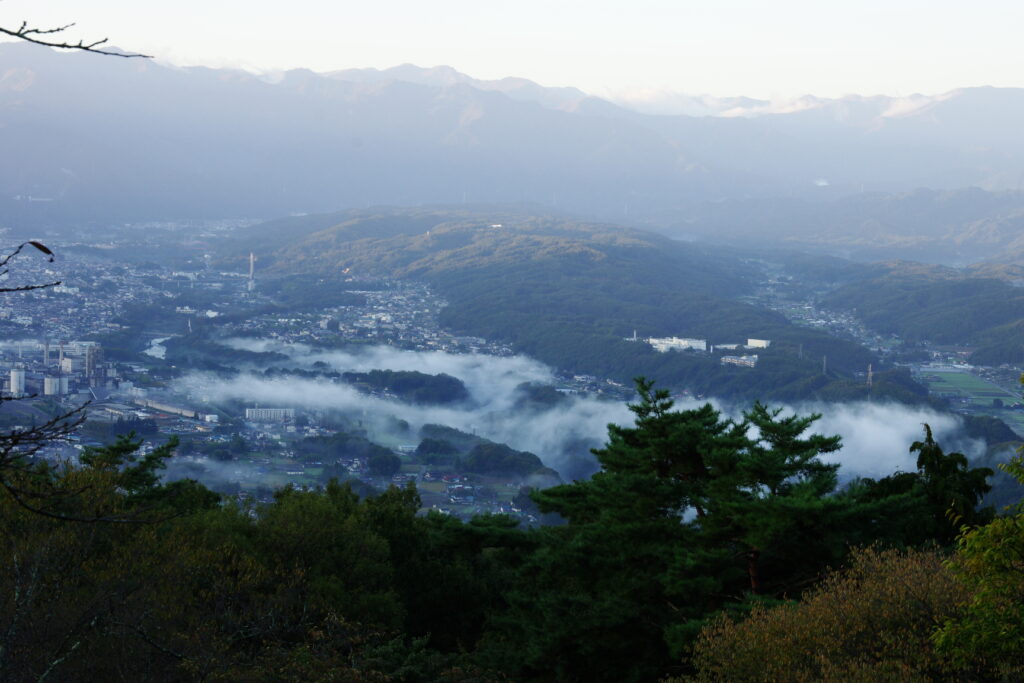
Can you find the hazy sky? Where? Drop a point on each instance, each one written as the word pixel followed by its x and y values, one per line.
pixel 762 48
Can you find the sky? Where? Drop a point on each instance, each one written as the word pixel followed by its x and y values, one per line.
pixel 773 49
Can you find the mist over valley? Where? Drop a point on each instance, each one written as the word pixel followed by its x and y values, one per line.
pixel 875 436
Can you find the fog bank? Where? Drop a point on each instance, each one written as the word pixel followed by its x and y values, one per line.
pixel 876 436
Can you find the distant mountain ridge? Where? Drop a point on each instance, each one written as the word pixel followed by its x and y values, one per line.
pixel 108 139
pixel 103 138
pixel 567 99
pixel 958 227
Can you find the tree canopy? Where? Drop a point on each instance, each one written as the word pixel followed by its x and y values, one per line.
pixel 693 515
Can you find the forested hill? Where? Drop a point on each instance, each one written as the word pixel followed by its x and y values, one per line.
pixel 982 307
pixel 426 243
pixel 569 293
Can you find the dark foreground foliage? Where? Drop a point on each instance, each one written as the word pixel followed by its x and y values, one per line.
pixel 691 516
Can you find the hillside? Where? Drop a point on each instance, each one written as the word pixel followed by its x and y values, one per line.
pixel 982 307
pixel 569 292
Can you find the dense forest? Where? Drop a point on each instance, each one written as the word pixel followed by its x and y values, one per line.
pixel 705 548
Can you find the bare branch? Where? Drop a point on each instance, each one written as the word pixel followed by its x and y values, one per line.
pixel 38 37
pixel 28 288
pixel 6 259
pixel 16 447
pixel 145 637
pixel 55 663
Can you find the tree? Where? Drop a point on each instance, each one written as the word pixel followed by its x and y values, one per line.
pixel 65 587
pixel 872 621
pixel 690 511
pixel 950 483
pixel 936 500
pixel 989 561
pixel 384 464
pixel 27 482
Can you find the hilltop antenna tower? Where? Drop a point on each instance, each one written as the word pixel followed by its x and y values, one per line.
pixel 871 374
pixel 252 272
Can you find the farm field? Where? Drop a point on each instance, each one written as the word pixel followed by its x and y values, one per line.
pixel 975 395
pixel 980 392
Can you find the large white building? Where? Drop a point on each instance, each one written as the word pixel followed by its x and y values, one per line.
pixel 664 344
pixel 269 414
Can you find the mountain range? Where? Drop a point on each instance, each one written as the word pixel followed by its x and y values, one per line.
pixel 103 139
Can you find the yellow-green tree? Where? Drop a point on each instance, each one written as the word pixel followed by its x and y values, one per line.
pixel 871 622
pixel 989 561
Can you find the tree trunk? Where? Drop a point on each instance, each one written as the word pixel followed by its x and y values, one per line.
pixel 753 555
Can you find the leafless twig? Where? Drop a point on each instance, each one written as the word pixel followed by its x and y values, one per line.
pixel 39 36
pixel 6 258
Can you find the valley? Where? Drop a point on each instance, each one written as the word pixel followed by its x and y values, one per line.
pixel 362 339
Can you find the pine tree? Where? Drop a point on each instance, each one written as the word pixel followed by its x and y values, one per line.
pixel 690 510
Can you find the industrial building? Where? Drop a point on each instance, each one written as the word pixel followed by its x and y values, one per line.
pixel 17 386
pixel 664 344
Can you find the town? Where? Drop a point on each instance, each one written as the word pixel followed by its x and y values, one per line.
pixel 111 339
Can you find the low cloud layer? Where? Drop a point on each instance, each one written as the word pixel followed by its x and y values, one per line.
pixel 561 435
pixel 876 437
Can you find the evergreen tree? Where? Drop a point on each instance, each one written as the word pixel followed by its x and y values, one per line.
pixel 690 510
pixel 931 504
